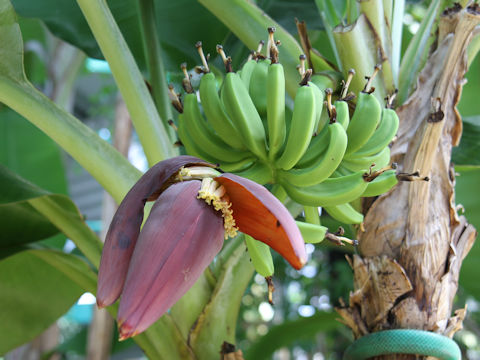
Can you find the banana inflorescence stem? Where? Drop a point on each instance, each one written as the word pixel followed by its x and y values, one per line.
pixel 301 66
pixel 306 77
pixel 186 83
pixel 272 46
pixel 415 176
pixel 271 289
pixel 368 86
pixel 255 54
pixel 346 84
pixel 332 111
pixel 198 45
pixel 372 175
pixel 174 98
pixel 389 99
pixel 339 240
pixel 172 124
pixel 227 61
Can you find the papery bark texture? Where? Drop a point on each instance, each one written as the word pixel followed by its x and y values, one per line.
pixel 414 240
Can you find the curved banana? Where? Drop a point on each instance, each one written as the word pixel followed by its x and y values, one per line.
pixel 244 115
pixel 258 172
pixel 311 215
pixel 238 166
pixel 320 121
pixel 357 163
pixel 257 87
pixel 204 137
pixel 190 146
pixel 215 112
pixel 275 109
pixel 342 113
pixel 312 233
pixel 301 128
pixel 383 135
pixel 261 256
pixel 246 71
pixel 332 191
pixel 316 148
pixel 364 121
pixel 345 213
pixel 383 183
pixel 325 165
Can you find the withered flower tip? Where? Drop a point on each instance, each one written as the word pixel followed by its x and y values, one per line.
pixel 195 208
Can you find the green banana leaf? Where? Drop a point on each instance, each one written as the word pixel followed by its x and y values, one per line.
pixel 32 213
pixel 468 105
pixel 37 287
pixel 110 168
pixel 180 25
pixel 467 152
pixel 291 331
pixel 414 57
pixel 466 187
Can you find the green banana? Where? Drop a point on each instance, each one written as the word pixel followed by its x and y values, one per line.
pixel 357 163
pixel 345 213
pixel 323 82
pixel 261 256
pixel 258 172
pixel 244 115
pixel 190 146
pixel 320 121
pixel 332 191
pixel 215 112
pixel 383 183
pixel 239 165
pixel 301 128
pixel 246 71
pixel 342 113
pixel 275 109
pixel 204 137
pixel 311 215
pixel 312 233
pixel 325 164
pixel 257 87
pixel 364 121
pixel 315 149
pixel 383 135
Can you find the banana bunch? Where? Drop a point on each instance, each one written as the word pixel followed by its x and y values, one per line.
pixel 317 153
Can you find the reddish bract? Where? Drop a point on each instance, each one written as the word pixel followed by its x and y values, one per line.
pixel 261 215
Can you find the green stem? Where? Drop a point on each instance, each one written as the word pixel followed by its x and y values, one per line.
pixel 226 252
pixel 100 159
pixel 397 30
pixel 145 118
pixel 353 40
pixel 217 323
pixel 153 54
pixel 75 229
pixel 249 23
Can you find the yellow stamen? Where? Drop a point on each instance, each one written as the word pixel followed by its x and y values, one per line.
pixel 214 194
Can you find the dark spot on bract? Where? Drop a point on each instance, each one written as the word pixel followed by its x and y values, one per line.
pixel 123 241
pixel 278 223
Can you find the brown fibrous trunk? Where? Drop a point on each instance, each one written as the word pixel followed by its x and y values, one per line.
pixel 414 242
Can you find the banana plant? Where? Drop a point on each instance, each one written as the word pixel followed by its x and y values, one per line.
pixel 310 128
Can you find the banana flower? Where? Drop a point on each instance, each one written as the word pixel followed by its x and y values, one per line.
pixel 196 208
